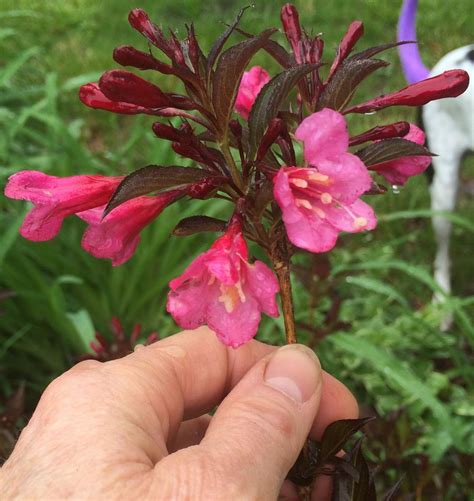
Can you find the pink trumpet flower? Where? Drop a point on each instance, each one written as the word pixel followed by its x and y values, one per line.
pixel 251 84
pixel 55 198
pixel 399 170
pixel 117 235
pixel 321 200
pixel 222 289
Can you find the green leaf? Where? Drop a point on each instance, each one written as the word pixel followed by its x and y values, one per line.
pixel 390 149
pixel 377 286
pixel 198 224
pixel 84 327
pixel 269 100
pixel 339 91
pixel 154 178
pixel 230 68
pixel 395 373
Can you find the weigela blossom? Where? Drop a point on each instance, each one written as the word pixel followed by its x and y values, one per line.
pixel 55 198
pixel 321 200
pixel 251 84
pixel 117 235
pixel 399 170
pixel 221 289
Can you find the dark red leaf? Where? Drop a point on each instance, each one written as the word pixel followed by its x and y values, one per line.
pixel 339 91
pixel 336 435
pixel 270 99
pixel 354 32
pixel 270 136
pixel 154 178
pixel 198 224
pixel 397 129
pixel 229 71
pixel 390 149
pixel 364 489
pixel 220 42
pixel 372 51
pixel 123 86
pixel 451 83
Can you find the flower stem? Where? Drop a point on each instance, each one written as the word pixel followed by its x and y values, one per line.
pixel 281 251
pixel 282 271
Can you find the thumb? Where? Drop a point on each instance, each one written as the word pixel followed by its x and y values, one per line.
pixel 259 429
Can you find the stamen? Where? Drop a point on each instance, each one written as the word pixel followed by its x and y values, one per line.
pixel 298 182
pixel 231 295
pixel 301 202
pixel 359 223
pixel 326 198
pixel 319 212
pixel 212 279
pixel 319 178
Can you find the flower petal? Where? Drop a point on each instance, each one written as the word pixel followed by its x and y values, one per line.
pixel 324 135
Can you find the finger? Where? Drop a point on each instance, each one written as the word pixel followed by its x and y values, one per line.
pixel 179 378
pixel 190 433
pixel 337 402
pixel 260 427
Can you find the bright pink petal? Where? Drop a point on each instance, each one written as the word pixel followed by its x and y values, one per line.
pixel 250 86
pixel 263 285
pixel 324 135
pixel 353 218
pixel 56 198
pixel 221 289
pixel 349 177
pixel 237 327
pixel 117 236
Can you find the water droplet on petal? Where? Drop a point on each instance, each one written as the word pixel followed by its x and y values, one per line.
pixel 395 189
pixel 368 113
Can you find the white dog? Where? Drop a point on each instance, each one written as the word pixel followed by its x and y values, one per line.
pixel 449 128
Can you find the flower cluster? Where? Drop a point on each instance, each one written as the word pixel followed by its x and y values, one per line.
pixel 281 201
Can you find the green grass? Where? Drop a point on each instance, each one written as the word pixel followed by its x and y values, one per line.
pixel 393 355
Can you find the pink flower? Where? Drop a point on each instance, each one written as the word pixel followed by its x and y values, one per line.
pixel 399 170
pixel 55 198
pixel 222 289
pixel 321 200
pixel 250 86
pixel 117 235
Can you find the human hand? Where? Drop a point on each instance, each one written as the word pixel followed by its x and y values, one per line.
pixel 138 428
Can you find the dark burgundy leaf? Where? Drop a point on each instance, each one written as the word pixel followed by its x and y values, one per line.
pixel 154 178
pixel 354 32
pixel 376 189
pixel 397 129
pixel 220 42
pixel 198 224
pixel 277 51
pixel 269 100
pixel 389 149
pixel 392 492
pixel 339 91
pixel 372 51
pixel 364 489
pixel 123 86
pixel 229 71
pixel 336 435
pixel 303 471
pixel 129 56
pixel 274 129
pixel 451 83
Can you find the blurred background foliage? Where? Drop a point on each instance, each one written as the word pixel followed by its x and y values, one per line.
pixel 366 307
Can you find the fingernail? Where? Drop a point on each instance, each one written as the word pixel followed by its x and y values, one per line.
pixel 295 371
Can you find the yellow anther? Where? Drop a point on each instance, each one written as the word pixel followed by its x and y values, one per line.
pixel 301 202
pixel 359 223
pixel 320 178
pixel 319 212
pixel 326 198
pixel 300 183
